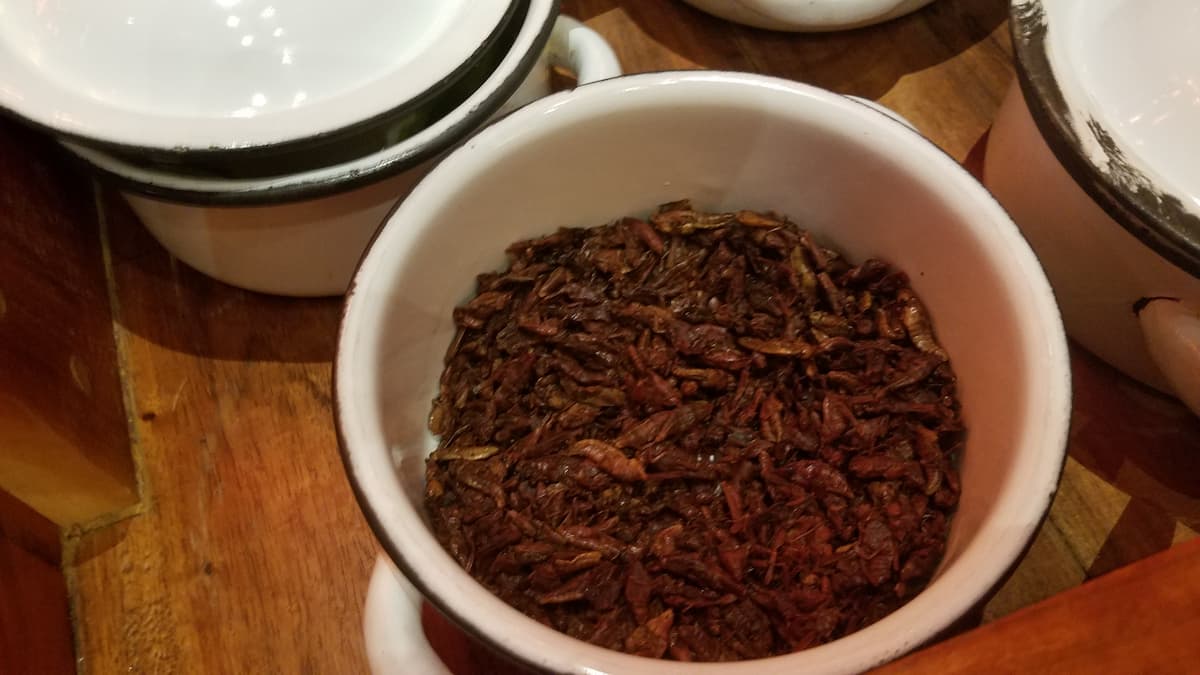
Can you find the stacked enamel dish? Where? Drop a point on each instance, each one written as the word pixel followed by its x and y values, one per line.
pixel 263 142
pixel 1093 154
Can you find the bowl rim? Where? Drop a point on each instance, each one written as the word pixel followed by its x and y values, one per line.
pixel 333 148
pixel 816 17
pixel 1157 219
pixel 534 28
pixel 323 122
pixel 1044 440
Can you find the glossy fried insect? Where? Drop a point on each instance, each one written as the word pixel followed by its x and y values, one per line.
pixel 699 436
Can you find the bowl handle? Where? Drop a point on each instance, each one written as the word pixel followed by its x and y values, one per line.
pixel 1171 328
pixel 582 51
pixel 574 47
pixel 392 632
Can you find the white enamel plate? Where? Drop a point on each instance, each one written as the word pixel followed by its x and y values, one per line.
pixel 227 74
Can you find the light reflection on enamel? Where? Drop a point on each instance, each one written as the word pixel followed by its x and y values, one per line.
pixel 208 59
pixel 1131 65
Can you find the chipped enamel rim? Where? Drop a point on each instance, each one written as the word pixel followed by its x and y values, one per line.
pixel 1107 166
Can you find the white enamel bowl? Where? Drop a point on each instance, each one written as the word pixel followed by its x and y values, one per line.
pixel 856 177
pixel 808 15
pixel 1093 154
pixel 228 75
pixel 302 234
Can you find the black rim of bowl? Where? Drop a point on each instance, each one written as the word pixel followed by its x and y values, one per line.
pixel 345 182
pixel 1158 220
pixel 212 159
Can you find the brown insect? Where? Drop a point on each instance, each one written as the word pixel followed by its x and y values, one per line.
pixel 697 436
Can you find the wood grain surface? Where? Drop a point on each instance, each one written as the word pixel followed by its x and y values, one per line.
pixel 35 630
pixel 64 442
pixel 251 554
pixel 1139 619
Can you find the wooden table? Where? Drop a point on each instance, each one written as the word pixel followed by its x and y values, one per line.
pixel 249 553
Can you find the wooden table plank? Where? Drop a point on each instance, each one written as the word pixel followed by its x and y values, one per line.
pixel 661 35
pixel 64 442
pixel 1139 619
pixel 954 53
pixel 1131 486
pixel 251 555
pixel 35 630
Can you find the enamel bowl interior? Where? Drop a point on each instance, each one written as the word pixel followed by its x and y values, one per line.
pixel 229 74
pixel 502 76
pixel 1135 67
pixel 1115 86
pixel 349 145
pixel 855 177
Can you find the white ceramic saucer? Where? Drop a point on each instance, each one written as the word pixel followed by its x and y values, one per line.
pixel 808 15
pixel 229 74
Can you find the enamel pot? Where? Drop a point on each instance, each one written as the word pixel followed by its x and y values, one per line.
pixel 1092 153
